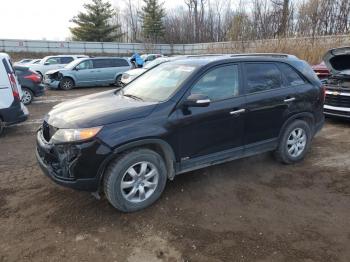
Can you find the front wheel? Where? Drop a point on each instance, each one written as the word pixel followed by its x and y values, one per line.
pixel 294 143
pixel 66 83
pixel 27 97
pixel 135 180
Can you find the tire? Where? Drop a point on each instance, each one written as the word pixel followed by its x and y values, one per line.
pixel 118 173
pixel 296 135
pixel 118 81
pixel 67 84
pixel 2 126
pixel 27 97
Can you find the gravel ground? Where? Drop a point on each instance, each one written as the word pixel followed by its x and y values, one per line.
pixel 253 209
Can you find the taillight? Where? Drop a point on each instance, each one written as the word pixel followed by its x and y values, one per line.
pixel 13 83
pixel 34 77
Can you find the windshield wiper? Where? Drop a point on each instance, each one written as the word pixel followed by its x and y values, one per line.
pixel 133 97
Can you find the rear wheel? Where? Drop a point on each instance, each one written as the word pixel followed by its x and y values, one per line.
pixel 2 126
pixel 135 180
pixel 27 97
pixel 294 143
pixel 67 83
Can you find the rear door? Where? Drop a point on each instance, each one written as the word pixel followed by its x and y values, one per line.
pixel 270 101
pixel 119 67
pixel 101 72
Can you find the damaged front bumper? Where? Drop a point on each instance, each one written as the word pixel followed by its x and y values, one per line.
pixel 77 166
pixel 51 83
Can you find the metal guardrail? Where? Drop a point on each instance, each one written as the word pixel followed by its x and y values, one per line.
pixel 18 45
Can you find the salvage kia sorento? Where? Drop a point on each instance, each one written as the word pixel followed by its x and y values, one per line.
pixel 177 117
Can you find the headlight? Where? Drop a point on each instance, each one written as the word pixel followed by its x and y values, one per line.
pixel 74 135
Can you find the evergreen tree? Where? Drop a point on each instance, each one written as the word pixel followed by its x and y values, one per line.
pixel 95 23
pixel 152 20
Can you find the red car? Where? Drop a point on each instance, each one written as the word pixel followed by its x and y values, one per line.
pixel 321 71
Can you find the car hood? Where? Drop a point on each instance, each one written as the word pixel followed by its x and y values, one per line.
pixel 54 71
pixel 136 71
pixel 338 60
pixel 97 110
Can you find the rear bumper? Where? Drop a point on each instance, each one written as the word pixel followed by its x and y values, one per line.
pixel 15 114
pixel 77 166
pixel 39 90
pixel 343 112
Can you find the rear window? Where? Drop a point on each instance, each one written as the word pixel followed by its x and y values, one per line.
pixel 66 60
pixel 292 77
pixel 262 77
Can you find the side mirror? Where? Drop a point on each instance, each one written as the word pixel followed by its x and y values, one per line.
pixel 197 100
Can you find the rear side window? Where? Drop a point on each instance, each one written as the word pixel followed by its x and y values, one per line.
pixel 262 77
pixel 219 83
pixel 101 63
pixel 7 66
pixel 66 60
pixel 53 61
pixel 292 77
pixel 119 63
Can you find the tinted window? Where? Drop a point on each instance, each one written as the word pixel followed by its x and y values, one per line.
pixel 7 66
pixel 119 62
pixel 87 64
pixel 219 83
pixel 293 78
pixel 66 60
pixel 53 61
pixel 262 77
pixel 101 63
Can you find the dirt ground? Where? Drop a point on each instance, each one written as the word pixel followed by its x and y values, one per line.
pixel 253 209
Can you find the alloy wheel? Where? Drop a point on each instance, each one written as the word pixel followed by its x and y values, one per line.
pixel 296 142
pixel 27 97
pixel 139 182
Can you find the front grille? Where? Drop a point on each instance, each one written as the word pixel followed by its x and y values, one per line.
pixel 48 131
pixel 336 112
pixel 337 100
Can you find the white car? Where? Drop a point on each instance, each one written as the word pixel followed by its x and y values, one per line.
pixel 130 75
pixel 12 110
pixel 53 62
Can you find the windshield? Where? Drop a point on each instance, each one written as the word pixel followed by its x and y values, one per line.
pixel 73 64
pixel 159 83
pixel 155 63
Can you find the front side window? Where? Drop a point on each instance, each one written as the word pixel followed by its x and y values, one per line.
pixel 85 65
pixel 219 83
pixel 262 77
pixel 159 83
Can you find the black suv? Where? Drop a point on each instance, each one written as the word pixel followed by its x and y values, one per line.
pixel 181 116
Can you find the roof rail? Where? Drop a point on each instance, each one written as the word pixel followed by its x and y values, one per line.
pixel 264 54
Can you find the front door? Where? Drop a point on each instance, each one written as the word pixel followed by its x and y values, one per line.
pixel 215 130
pixel 84 74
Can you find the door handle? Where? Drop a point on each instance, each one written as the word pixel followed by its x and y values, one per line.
pixel 237 112
pixel 287 100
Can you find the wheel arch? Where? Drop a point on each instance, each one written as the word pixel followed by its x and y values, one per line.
pixel 157 145
pixel 305 116
pixel 68 76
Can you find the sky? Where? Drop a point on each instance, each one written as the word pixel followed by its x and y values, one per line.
pixel 43 19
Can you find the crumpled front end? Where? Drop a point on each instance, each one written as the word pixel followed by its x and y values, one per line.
pixel 53 79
